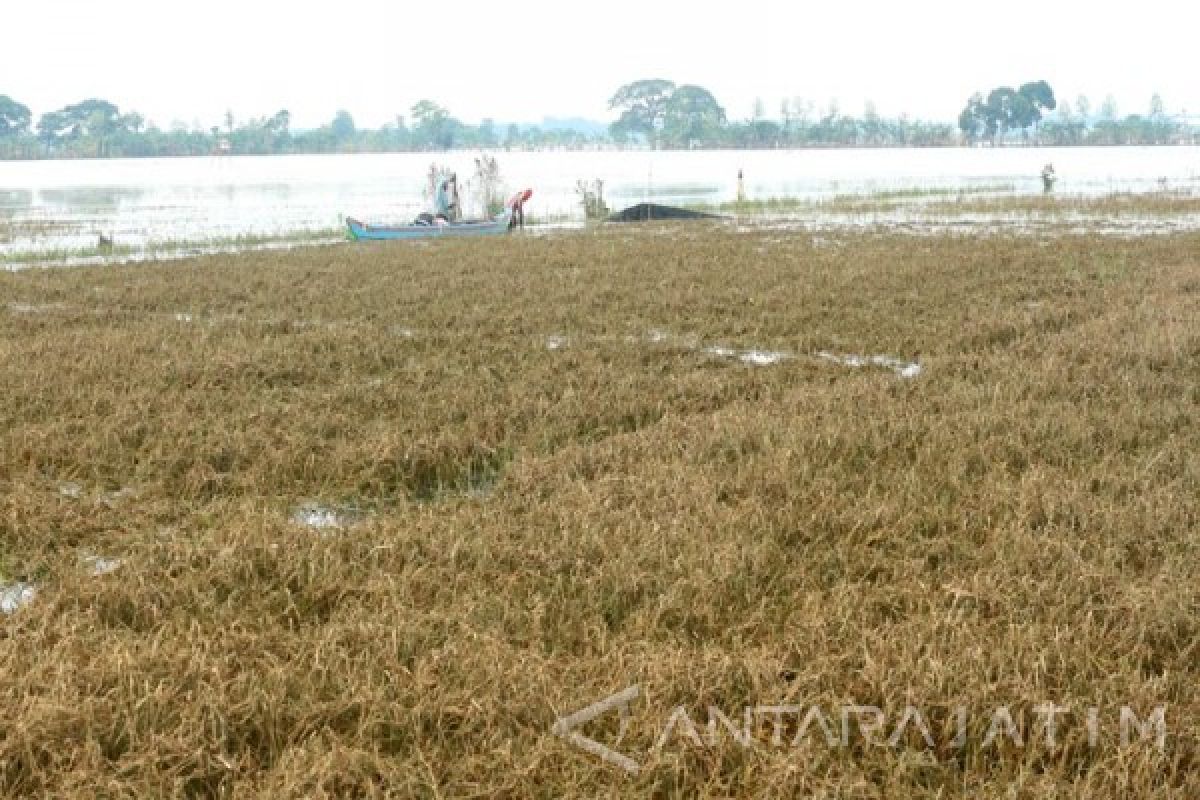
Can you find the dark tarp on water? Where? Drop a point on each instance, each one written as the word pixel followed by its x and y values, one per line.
pixel 644 212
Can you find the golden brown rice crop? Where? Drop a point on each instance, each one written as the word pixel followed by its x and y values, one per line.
pixel 552 491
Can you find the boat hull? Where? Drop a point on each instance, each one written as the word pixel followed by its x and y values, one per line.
pixel 361 231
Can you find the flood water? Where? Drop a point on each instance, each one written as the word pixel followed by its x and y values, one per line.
pixel 61 205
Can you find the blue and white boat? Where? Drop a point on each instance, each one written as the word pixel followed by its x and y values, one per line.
pixel 497 224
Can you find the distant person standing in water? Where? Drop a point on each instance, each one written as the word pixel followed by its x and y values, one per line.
pixel 446 200
pixel 741 187
pixel 1048 178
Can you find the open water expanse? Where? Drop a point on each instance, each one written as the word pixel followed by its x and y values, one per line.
pixel 60 206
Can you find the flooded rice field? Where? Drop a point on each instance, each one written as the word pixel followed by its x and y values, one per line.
pixel 95 211
pixel 348 520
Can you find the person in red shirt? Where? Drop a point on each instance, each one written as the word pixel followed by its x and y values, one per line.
pixel 516 205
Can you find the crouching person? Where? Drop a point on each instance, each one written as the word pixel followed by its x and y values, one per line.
pixel 516 208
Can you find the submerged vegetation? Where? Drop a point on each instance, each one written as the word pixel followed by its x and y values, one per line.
pixel 945 204
pixel 882 199
pixel 1130 203
pixel 106 250
pixel 983 208
pixel 377 516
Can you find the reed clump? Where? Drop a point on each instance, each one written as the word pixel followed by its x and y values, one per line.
pixel 567 480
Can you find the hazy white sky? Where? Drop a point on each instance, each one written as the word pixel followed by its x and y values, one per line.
pixel 521 61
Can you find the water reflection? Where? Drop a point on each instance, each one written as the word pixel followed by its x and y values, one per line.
pixel 13 199
pixel 74 200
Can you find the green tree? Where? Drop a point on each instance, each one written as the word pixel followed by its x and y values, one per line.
pixel 872 125
pixel 1108 128
pixel 643 107
pixel 433 127
pixel 488 137
pixel 127 138
pixel 1157 107
pixel 277 130
pixel 512 137
pixel 1083 107
pixel 1005 109
pixel 763 132
pixel 1033 100
pixel 280 123
pixel 93 119
pixel 14 118
pixel 342 127
pixel 90 118
pixel 395 135
pixel 1064 127
pixel 830 128
pixel 1160 128
pixel 133 122
pixel 692 115
pixel 1108 109
pixel 795 115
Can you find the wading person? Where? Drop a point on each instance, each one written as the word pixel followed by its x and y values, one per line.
pixel 446 199
pixel 516 206
pixel 1048 178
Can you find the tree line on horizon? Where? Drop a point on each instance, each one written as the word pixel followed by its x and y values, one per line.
pixel 1023 115
pixel 651 113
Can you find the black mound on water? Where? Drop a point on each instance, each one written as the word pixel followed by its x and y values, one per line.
pixel 644 212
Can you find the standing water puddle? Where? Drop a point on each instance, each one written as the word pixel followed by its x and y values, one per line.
pixel 15 595
pixel 754 357
pixel 763 358
pixel 99 565
pixel 905 369
pixel 28 308
pixel 323 518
